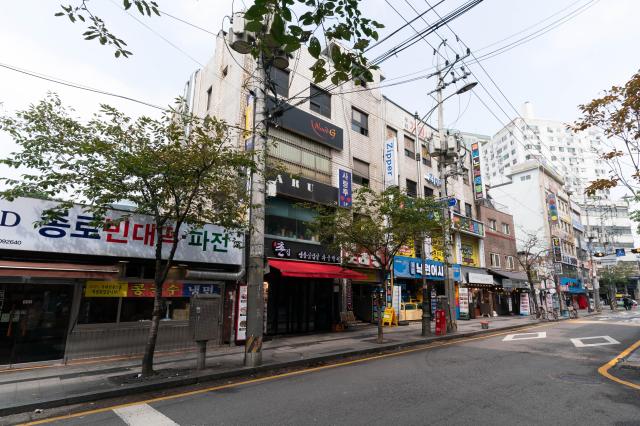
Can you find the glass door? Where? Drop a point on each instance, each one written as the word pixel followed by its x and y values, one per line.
pixel 33 322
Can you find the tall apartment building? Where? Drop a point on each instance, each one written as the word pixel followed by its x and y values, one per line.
pixel 575 157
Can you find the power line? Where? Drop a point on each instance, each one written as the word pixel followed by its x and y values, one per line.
pixel 99 91
pixel 166 40
pixel 163 13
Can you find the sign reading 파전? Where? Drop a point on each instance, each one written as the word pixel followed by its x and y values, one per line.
pixel 123 235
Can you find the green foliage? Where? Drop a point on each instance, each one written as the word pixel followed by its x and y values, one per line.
pixel 617 114
pixel 378 223
pixel 340 20
pixel 617 276
pixel 176 176
pixel 98 29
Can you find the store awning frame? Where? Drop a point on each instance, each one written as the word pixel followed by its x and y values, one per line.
pixel 301 269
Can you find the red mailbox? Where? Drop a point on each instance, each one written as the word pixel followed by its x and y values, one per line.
pixel 441 323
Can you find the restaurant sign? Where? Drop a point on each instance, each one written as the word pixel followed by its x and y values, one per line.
pixel 147 289
pixel 282 249
pixel 308 125
pixel 122 234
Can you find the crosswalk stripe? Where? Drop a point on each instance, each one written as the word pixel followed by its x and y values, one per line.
pixel 143 415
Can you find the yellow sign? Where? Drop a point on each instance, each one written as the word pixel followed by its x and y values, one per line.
pixel 408 250
pixel 437 251
pixel 106 289
pixel 389 317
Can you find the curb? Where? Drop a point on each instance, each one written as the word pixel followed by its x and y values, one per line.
pixel 241 372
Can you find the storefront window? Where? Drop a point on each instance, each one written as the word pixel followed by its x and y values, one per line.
pixel 286 219
pixel 136 309
pixel 97 310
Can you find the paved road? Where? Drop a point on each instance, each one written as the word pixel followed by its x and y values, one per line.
pixel 549 379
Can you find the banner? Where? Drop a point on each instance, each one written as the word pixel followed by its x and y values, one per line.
pixel 464 302
pixel 123 234
pixel 524 303
pixel 557 249
pixel 390 163
pixel 344 188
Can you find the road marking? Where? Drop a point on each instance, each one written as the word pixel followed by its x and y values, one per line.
pixel 277 376
pixel 143 415
pixel 629 323
pixel 579 342
pixel 604 370
pixel 525 336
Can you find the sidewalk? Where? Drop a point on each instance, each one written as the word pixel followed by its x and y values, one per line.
pixel 30 388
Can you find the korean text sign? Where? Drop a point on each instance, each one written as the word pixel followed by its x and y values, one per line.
pixel 121 236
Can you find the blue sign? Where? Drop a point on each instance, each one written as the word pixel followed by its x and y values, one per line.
pixel 411 267
pixel 452 202
pixel 574 285
pixel 344 188
pixel 620 252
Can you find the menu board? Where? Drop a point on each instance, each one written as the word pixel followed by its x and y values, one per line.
pixel 463 296
pixel 524 303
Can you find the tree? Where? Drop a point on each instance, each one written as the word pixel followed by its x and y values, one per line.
pixel 180 170
pixel 617 114
pixel 293 23
pixel 615 277
pixel 380 224
pixel 533 258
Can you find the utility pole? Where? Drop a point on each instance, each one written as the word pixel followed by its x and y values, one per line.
pixel 426 292
pixel 594 276
pixel 449 290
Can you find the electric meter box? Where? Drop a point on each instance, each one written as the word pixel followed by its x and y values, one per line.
pixel 204 317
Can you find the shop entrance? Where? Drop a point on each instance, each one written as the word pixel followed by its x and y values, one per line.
pixel 300 305
pixel 34 319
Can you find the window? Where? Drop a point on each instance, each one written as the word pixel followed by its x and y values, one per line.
pixel 209 93
pixel 494 260
pixel 467 210
pixel 412 188
pixel 360 172
pixel 359 122
pixel 428 192
pixel 391 133
pixel 280 81
pixel 465 176
pixel 426 158
pixel 320 101
pixel 510 263
pixel 284 218
pixel 505 228
pixel 409 147
pixel 456 208
pixel 492 224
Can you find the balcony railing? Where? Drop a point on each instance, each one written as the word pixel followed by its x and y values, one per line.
pixel 467 225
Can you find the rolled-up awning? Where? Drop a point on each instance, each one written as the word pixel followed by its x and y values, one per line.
pixel 293 268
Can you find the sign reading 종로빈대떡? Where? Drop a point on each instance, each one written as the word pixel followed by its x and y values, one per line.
pixel 121 234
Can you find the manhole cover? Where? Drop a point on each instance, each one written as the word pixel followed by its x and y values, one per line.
pixel 584 380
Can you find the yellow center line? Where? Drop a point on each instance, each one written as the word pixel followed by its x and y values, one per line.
pixel 283 375
pixel 604 370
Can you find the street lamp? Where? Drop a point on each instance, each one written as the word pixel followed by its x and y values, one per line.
pixel 426 291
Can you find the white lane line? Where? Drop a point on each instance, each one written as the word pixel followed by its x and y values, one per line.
pixel 579 343
pixel 143 415
pixel 525 336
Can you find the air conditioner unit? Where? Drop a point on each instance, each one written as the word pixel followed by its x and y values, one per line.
pixel 240 42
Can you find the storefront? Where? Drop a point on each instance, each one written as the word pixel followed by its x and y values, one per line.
pixel 574 292
pixel 482 291
pixel 407 273
pixel 303 287
pixel 70 290
pixel 507 296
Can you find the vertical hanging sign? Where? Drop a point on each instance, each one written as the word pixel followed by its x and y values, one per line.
pixel 390 163
pixel 344 188
pixel 552 206
pixel 478 189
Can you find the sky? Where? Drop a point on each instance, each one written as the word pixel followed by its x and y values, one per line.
pixel 556 71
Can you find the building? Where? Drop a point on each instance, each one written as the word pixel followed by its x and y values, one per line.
pixel 501 255
pixel 70 290
pixel 536 196
pixel 576 157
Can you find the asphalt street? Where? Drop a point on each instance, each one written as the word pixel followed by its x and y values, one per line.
pixel 533 376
